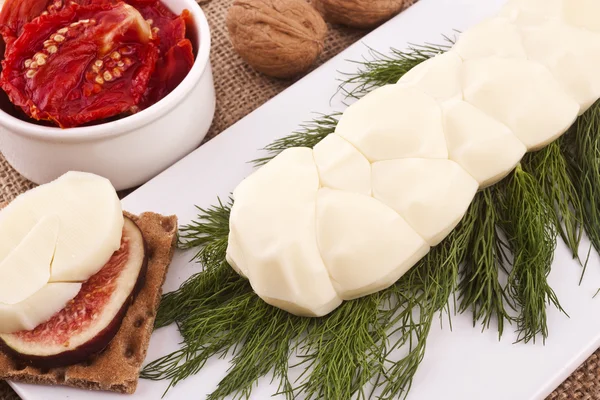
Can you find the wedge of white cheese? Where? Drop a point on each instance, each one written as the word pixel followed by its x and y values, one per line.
pixel 38 308
pixel 274 220
pixel 341 166
pixel 532 11
pixel 582 13
pixel 578 13
pixel 91 223
pixel 26 269
pixel 482 146
pixel 521 94
pixel 52 238
pixel 493 37
pixel 395 122
pixel 431 195
pixel 366 245
pixel 438 77
pixel 571 54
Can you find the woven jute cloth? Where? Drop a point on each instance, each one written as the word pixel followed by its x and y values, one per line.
pixel 240 90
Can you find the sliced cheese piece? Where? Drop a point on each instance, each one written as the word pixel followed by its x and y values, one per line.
pixel 482 146
pixel 571 54
pixel 341 166
pixel 532 11
pixel 274 220
pixel 578 13
pixel 395 122
pixel 28 314
pixel 582 13
pixel 27 268
pixel 431 195
pixel 91 223
pixel 366 245
pixel 492 37
pixel 521 94
pixel 439 77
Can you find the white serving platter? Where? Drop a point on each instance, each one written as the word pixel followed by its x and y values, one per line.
pixel 460 364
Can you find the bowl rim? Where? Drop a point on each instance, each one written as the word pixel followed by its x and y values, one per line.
pixel 135 121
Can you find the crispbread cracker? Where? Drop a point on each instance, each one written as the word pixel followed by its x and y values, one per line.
pixel 117 368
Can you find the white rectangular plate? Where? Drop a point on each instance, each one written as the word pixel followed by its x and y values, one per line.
pixel 461 364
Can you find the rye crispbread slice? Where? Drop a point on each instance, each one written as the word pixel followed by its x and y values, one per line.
pixel 117 368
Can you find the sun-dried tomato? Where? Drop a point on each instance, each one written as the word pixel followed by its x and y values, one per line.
pixel 175 60
pixel 176 52
pixel 176 57
pixel 82 64
pixel 16 13
pixel 170 71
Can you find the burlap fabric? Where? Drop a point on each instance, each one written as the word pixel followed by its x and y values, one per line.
pixel 240 90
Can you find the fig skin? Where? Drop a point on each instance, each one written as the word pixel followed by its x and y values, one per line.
pixel 93 347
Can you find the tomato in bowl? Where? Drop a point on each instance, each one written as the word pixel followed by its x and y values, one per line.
pixel 96 87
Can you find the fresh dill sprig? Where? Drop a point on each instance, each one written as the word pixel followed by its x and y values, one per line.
pixel 526 218
pixel 480 288
pixel 549 166
pixel 378 69
pixel 582 151
pixel 309 135
pixel 424 291
pixel 208 233
pixel 346 347
pixel 264 345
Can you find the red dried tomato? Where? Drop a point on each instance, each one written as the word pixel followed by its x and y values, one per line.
pixel 16 13
pixel 82 64
pixel 175 61
pixel 171 69
pixel 176 52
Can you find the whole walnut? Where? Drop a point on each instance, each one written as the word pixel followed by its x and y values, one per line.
pixel 280 38
pixel 358 13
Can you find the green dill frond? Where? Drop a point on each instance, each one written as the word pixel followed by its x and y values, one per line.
pixel 549 166
pixel 209 234
pixel 309 135
pixel 203 290
pixel 582 151
pixel 208 332
pixel 345 347
pixel 480 288
pixel 527 220
pixel 378 69
pixel 264 344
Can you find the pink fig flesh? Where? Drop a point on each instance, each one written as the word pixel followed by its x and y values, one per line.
pixel 90 321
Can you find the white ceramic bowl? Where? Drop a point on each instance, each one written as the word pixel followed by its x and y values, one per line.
pixel 129 151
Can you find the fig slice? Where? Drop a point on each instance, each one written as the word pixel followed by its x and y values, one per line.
pixel 91 320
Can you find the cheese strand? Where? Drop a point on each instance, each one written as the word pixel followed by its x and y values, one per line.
pixel 315 227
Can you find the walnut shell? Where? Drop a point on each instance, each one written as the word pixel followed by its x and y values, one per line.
pixel 280 38
pixel 359 13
